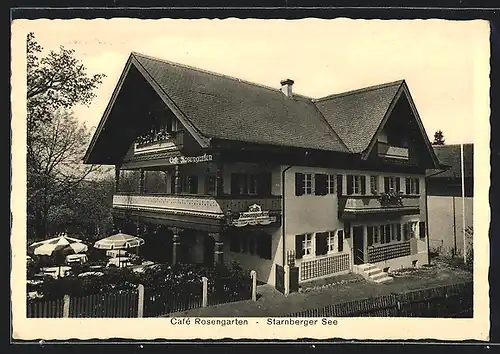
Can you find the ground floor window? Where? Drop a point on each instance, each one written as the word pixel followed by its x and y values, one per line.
pixel 319 243
pixel 382 234
pixel 251 243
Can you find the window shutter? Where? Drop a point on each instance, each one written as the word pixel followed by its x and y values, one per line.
pixel 398 184
pixel 340 238
pixel 386 184
pixel 350 179
pixel 339 185
pixel 321 243
pixel 398 232
pixel 299 251
pixel 421 226
pixel 299 183
pixel 235 183
pixel 264 184
pixel 408 181
pixel 363 185
pixel 320 184
pixel 417 182
pixel 194 184
pixel 369 235
pixel 172 184
pixel 406 232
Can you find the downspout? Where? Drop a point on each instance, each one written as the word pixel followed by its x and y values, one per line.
pixel 283 211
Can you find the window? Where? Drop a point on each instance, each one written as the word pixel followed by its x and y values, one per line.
pixel 373 184
pixel 373 233
pixel 331 245
pixel 413 229
pixel 307 245
pixel 392 184
pixel 308 183
pixel 250 184
pixel 189 184
pixel 251 243
pixel 331 184
pixel 211 184
pixel 356 184
pixel 412 186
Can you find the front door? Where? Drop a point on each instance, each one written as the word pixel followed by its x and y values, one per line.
pixel 358 240
pixel 280 278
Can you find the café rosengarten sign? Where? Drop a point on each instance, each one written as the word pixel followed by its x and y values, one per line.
pixel 254 216
pixel 178 160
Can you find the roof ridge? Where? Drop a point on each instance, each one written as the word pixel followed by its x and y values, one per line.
pixel 363 89
pixel 205 71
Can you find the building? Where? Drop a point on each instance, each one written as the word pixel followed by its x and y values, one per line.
pixel 228 170
pixel 444 190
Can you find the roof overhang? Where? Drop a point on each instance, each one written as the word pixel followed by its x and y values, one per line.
pixel 403 90
pixel 90 155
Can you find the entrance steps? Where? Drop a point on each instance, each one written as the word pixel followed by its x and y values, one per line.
pixel 373 273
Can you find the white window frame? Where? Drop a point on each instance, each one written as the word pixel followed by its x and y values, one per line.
pixel 413 226
pixel 413 181
pixel 392 183
pixel 375 234
pixel 374 184
pixel 332 242
pixel 356 184
pixel 308 183
pixel 309 244
pixel 331 184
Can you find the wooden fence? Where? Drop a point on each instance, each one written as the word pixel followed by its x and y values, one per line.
pixel 452 301
pixel 141 302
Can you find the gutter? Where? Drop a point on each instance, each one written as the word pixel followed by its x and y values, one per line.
pixel 283 210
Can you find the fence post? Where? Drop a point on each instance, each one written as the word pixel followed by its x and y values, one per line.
pixel 140 301
pixel 66 306
pixel 204 301
pixel 253 274
pixel 287 279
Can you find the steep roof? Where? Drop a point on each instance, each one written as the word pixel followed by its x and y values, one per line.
pixel 227 108
pixel 357 115
pixel 450 155
pixel 212 105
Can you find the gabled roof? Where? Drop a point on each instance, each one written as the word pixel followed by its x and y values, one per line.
pixel 357 115
pixel 450 155
pixel 215 106
pixel 223 107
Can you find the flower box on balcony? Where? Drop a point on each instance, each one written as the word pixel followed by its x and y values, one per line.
pixel 391 199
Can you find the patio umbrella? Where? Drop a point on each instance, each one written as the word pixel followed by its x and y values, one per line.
pixel 119 241
pixel 58 246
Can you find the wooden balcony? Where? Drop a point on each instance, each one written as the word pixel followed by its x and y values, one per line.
pixel 392 152
pixel 221 208
pixel 169 142
pixel 355 207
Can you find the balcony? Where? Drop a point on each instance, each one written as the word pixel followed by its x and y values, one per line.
pixel 159 142
pixel 355 207
pixel 220 208
pixel 392 152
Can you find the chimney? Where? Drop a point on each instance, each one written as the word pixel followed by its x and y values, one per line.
pixel 286 87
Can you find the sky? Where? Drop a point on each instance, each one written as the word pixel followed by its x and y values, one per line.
pixel 437 58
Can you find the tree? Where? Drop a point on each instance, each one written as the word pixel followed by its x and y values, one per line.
pixel 438 138
pixel 55 172
pixel 56 141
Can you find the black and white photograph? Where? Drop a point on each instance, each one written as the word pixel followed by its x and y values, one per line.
pixel 248 178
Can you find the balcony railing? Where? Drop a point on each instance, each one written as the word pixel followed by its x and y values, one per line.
pixel 388 251
pixel 160 142
pixel 351 206
pixel 196 205
pixel 392 152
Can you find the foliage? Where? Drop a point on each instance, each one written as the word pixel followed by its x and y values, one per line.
pixel 55 139
pixel 438 138
pixel 179 279
pixel 58 80
pixel 391 197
